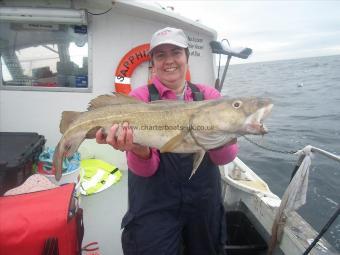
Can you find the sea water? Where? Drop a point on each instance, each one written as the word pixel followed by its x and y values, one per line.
pixel 306 97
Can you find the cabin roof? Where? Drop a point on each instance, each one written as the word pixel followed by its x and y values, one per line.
pixel 128 7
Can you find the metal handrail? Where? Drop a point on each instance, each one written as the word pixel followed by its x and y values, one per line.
pixel 325 153
pixel 303 153
pixel 337 211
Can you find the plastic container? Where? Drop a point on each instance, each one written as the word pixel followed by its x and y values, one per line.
pixel 18 153
pixel 242 237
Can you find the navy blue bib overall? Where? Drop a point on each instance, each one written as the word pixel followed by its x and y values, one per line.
pixel 168 214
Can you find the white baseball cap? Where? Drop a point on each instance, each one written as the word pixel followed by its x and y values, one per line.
pixel 168 35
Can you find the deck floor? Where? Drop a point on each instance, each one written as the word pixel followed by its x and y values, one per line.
pixel 103 213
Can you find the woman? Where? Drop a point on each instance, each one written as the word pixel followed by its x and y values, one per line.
pixel 168 213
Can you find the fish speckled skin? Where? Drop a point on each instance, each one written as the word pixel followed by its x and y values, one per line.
pixel 171 126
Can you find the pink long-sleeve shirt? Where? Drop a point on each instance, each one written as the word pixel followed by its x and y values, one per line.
pixel 148 167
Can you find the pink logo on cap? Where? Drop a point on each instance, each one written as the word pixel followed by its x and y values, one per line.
pixel 165 32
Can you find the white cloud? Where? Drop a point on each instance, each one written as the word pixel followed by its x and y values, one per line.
pixel 273 29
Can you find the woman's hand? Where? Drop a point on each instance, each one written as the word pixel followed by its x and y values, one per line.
pixel 120 137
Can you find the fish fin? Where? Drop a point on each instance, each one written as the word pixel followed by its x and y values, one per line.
pixel 198 157
pixel 67 118
pixel 115 99
pixel 173 142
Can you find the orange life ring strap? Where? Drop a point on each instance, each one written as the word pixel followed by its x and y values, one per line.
pixel 128 64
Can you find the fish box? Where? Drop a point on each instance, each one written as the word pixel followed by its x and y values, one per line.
pixel 18 153
pixel 242 237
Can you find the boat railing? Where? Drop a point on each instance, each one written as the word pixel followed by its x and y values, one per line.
pixel 295 195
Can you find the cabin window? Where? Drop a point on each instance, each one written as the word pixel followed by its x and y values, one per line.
pixel 43 55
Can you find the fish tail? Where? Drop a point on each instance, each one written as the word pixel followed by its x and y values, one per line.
pixel 67 146
pixel 58 162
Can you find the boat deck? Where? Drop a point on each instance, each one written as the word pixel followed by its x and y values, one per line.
pixel 103 213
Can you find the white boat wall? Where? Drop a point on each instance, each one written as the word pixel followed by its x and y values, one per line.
pixel 125 25
pixel 110 37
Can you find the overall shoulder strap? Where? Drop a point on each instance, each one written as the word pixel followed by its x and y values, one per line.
pixel 197 94
pixel 153 93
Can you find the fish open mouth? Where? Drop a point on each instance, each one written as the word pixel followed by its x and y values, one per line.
pixel 254 123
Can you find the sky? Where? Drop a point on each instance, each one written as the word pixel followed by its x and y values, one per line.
pixel 275 30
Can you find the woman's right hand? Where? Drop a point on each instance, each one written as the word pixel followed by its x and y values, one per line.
pixel 120 137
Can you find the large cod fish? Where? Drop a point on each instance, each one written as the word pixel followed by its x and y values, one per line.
pixel 170 126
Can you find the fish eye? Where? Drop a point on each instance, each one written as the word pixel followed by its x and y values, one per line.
pixel 237 104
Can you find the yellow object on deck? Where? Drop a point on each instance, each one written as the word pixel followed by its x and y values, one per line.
pixel 97 175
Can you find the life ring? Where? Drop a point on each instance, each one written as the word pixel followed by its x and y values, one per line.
pixel 128 64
